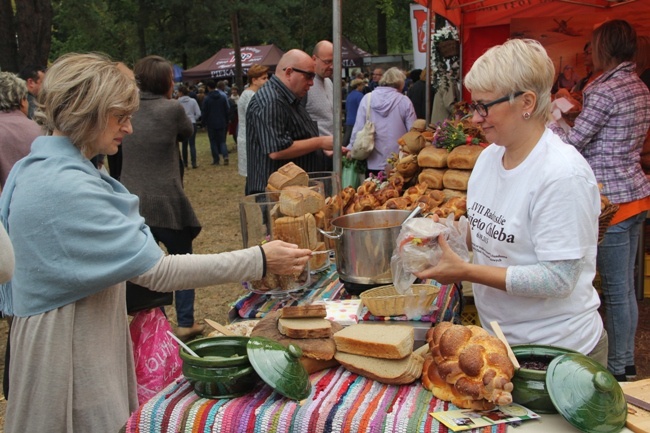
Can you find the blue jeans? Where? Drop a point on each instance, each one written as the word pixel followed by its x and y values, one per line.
pixel 218 147
pixel 616 259
pixel 179 242
pixel 191 142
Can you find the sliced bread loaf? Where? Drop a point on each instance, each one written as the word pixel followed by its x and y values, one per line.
pixel 376 340
pixel 301 311
pixel 389 371
pixel 305 327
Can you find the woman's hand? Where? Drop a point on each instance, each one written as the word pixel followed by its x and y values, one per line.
pixel 450 268
pixel 283 258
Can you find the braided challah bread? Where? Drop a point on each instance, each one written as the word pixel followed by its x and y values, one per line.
pixel 467 366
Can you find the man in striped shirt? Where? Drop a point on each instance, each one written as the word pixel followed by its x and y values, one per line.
pixel 279 129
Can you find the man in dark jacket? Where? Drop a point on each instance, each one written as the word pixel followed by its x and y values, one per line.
pixel 215 119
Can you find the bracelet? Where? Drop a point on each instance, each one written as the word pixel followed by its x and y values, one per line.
pixel 263 261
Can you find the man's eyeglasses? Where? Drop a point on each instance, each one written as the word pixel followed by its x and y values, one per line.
pixel 307 74
pixel 482 108
pixel 327 62
pixel 122 118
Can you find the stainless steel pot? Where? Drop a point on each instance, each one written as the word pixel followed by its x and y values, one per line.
pixel 364 244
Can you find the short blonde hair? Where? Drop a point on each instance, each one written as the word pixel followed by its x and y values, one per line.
pixel 13 91
pixel 393 77
pixel 516 65
pixel 80 92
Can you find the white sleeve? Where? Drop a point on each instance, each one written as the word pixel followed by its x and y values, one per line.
pixel 179 272
pixel 7 260
pixel 555 279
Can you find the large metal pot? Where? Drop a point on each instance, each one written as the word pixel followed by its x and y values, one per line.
pixel 364 244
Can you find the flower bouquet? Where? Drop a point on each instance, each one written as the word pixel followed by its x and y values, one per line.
pixel 453 133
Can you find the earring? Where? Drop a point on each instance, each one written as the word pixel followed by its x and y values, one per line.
pixel 526 115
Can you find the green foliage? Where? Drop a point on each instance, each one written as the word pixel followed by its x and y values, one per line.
pixel 188 32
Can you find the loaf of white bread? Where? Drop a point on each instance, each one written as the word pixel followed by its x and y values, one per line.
pixel 379 352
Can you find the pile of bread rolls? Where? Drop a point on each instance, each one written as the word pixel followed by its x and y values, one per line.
pixel 421 175
pixel 468 367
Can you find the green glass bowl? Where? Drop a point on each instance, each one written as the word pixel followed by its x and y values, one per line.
pixel 529 384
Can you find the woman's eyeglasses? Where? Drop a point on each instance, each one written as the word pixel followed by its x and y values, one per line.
pixel 122 118
pixel 482 108
pixel 307 74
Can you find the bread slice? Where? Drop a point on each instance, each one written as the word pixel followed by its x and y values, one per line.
pixel 389 371
pixel 376 340
pixel 302 311
pixel 305 328
pixel 316 348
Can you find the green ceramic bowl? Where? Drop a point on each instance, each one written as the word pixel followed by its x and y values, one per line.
pixel 530 384
pixel 222 369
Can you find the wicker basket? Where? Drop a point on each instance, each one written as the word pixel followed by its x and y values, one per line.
pixel 448 48
pixel 604 219
pixel 386 301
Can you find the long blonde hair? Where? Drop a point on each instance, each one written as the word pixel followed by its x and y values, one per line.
pixel 80 91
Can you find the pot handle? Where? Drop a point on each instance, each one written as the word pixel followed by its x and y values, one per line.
pixel 330 235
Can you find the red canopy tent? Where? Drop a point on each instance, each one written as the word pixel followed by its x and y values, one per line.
pixel 485 23
pixel 222 64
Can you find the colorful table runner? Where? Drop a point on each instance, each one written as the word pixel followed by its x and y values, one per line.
pixel 340 401
pixel 327 286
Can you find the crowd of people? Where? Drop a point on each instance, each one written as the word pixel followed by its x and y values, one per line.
pixel 75 241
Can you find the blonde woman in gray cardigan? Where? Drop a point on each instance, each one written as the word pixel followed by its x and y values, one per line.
pixel 151 169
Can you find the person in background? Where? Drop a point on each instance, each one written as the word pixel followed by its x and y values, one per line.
pixel 152 171
pixel 643 71
pixel 589 67
pixel 70 334
pixel 193 113
pixel 567 79
pixel 33 76
pixel 257 76
pixel 319 101
pixel 375 77
pixel 233 121
pixel 418 95
pixel 532 271
pixel 351 107
pixel 392 113
pixel 17 131
pixel 611 140
pixel 215 118
pixel 279 129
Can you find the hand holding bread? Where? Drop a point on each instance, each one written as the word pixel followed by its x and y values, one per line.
pixel 283 258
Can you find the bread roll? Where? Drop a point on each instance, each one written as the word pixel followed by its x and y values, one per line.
pixel 432 177
pixel 300 200
pixel 456 179
pixel 287 175
pixel 464 156
pixel 433 157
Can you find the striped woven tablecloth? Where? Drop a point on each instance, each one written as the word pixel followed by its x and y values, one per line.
pixel 340 401
pixel 327 286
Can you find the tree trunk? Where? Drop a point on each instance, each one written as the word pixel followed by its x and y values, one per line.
pixel 382 41
pixel 234 27
pixel 142 24
pixel 8 46
pixel 34 31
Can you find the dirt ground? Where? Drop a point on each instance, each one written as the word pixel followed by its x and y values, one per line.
pixel 215 192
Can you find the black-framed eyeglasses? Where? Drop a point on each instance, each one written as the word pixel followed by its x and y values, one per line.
pixel 327 62
pixel 122 118
pixel 482 108
pixel 307 74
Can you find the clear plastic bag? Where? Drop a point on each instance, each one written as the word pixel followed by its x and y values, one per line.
pixel 417 247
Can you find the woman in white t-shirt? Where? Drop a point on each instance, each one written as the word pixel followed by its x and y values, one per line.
pixel 532 205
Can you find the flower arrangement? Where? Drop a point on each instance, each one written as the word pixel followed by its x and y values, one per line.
pixel 445 63
pixel 453 133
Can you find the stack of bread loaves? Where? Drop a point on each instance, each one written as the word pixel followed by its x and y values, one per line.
pixel 379 352
pixel 467 366
pixel 306 327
